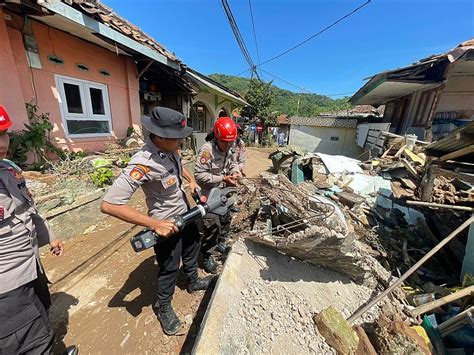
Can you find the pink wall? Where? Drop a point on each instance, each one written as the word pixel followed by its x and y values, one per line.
pixel 122 84
pixel 11 95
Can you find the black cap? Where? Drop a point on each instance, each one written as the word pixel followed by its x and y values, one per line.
pixel 167 123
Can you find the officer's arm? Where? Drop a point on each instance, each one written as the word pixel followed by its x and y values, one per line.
pixel 131 215
pixel 44 234
pixel 115 201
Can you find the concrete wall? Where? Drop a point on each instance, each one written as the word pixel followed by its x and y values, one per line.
pixel 23 84
pixel 318 139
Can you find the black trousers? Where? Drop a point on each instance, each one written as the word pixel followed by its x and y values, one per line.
pixel 214 229
pixel 24 324
pixel 169 252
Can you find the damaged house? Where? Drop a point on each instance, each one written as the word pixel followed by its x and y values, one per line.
pixel 95 73
pixel 429 98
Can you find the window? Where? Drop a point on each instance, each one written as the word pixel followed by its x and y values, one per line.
pixel 84 107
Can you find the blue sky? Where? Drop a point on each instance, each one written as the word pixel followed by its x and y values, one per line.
pixel 383 35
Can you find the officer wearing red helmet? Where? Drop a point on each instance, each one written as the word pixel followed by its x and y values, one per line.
pixel 216 167
pixel 24 295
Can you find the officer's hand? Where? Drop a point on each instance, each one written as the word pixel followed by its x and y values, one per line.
pixel 165 228
pixel 194 186
pixel 56 247
pixel 230 180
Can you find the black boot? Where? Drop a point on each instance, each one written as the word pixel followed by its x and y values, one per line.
pixel 222 248
pixel 199 284
pixel 168 319
pixel 71 350
pixel 209 264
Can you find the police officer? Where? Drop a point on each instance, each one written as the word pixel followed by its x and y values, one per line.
pixel 157 168
pixel 24 295
pixel 216 167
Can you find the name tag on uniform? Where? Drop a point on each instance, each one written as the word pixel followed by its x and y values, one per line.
pixel 169 181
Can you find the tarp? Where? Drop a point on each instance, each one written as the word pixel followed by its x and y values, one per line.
pixel 339 164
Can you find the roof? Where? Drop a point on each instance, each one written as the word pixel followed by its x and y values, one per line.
pixel 428 73
pixel 107 16
pixel 324 122
pixel 200 80
pixel 283 119
pixel 458 139
pixel 356 111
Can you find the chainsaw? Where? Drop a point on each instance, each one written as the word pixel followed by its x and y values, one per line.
pixel 218 201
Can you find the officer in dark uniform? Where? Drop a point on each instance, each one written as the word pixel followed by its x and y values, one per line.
pixel 157 168
pixel 24 296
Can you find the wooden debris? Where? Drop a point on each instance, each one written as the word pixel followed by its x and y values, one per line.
pixel 365 346
pixel 336 331
pixel 349 198
pixel 408 183
pixel 458 153
pixel 413 157
pixel 409 167
pixel 438 205
pixel 393 336
pixel 424 308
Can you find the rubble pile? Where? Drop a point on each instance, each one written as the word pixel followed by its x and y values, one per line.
pixel 308 226
pixel 370 220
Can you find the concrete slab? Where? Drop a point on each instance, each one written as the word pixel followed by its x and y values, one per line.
pixel 264 302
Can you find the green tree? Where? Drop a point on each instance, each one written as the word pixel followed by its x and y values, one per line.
pixel 260 96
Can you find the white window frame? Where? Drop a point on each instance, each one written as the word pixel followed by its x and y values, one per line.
pixel 86 102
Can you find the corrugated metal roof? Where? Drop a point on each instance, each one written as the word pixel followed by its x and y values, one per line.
pixel 450 143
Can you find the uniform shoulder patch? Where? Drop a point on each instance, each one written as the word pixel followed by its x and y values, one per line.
pixel 139 171
pixel 204 156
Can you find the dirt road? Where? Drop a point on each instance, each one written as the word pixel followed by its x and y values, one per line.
pixel 103 292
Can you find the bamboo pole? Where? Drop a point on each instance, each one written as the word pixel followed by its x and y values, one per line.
pixel 415 267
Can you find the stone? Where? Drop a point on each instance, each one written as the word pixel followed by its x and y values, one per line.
pixel 336 331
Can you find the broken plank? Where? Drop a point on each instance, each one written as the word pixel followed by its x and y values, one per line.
pixel 400 151
pixel 424 308
pixel 439 205
pixel 458 153
pixel 408 183
pixel 409 167
pixel 413 157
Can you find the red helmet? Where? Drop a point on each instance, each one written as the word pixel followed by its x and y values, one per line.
pixel 5 122
pixel 225 130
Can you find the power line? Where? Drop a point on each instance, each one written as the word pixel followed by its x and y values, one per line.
pixel 302 88
pixel 316 34
pixel 254 32
pixel 238 36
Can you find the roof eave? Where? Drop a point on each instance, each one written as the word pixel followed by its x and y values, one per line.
pixel 68 12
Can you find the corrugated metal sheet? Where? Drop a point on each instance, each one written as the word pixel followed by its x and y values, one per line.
pixel 449 143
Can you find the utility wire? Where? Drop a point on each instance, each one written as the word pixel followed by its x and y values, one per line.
pixel 254 32
pixel 303 89
pixel 316 34
pixel 238 37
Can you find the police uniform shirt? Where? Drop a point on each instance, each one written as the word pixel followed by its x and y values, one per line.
pixel 212 165
pixel 159 174
pixel 22 230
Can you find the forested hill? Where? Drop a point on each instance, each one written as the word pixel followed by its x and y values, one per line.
pixel 286 101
